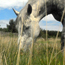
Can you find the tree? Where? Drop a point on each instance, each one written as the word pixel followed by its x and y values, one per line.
pixel 11 27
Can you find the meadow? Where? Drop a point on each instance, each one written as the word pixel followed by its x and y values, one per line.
pixel 44 52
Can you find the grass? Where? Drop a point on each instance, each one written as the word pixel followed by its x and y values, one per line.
pixel 9 52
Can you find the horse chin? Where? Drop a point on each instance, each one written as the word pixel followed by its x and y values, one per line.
pixel 25 42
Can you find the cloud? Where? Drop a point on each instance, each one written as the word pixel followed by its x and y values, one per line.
pixel 49 18
pixel 42 22
pixel 3 23
pixel 54 28
pixel 12 3
pixel 52 23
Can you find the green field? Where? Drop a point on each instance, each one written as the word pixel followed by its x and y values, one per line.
pixel 44 52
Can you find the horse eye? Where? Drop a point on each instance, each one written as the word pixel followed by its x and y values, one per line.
pixel 27 28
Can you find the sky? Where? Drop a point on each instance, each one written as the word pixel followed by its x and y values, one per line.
pixel 6 14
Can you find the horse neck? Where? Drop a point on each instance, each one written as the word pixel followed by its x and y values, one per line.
pixel 41 8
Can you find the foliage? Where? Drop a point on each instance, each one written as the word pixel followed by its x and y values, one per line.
pixel 11 27
pixel 3 29
pixel 9 50
pixel 49 33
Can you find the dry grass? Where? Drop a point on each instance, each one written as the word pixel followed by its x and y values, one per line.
pixel 1 63
pixel 9 51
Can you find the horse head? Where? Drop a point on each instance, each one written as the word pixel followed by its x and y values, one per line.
pixel 27 26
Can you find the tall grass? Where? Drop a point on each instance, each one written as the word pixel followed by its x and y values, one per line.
pixel 9 52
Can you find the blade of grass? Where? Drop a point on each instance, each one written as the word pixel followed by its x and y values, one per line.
pixel 5 60
pixel 46 33
pixel 18 57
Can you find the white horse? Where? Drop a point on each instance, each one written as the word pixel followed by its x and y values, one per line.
pixel 28 19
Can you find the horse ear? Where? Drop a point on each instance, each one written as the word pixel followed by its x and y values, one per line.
pixel 16 12
pixel 29 9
